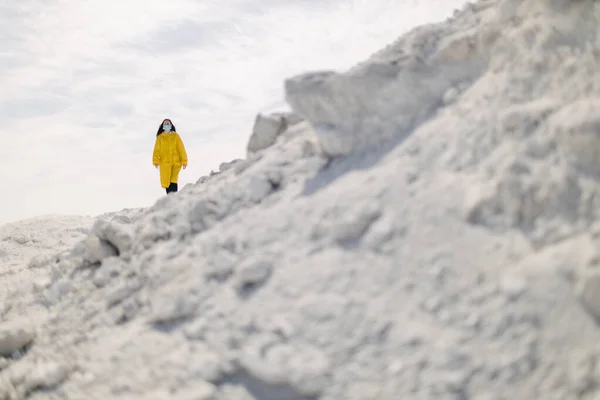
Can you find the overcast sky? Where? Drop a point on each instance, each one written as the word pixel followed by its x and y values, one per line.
pixel 84 85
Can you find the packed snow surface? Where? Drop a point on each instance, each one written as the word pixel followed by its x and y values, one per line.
pixel 422 226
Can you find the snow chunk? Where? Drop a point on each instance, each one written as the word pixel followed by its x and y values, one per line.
pixel 41 284
pixel 382 101
pixel 93 249
pixel 14 336
pixel 252 272
pixel 304 369
pixel 46 375
pixel 267 129
pixel 382 231
pixel 207 212
pixel 40 261
pixel 347 224
pixel 117 234
pixel 228 165
pixel 21 239
pixel 259 188
pixel 180 306
pixel 513 286
pixel 265 132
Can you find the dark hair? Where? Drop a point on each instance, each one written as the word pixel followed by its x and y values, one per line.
pixel 161 130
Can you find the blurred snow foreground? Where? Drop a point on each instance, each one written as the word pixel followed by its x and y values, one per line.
pixel 423 226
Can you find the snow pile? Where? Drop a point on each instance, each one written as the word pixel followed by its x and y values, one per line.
pixel 426 228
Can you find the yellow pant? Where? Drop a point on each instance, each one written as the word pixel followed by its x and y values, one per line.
pixel 169 173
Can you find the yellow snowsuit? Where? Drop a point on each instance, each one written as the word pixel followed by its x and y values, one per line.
pixel 169 153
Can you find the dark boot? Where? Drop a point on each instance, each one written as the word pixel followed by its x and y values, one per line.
pixel 172 188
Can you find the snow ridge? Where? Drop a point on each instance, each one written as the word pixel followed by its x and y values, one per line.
pixel 425 226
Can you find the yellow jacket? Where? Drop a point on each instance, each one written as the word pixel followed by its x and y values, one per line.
pixel 169 150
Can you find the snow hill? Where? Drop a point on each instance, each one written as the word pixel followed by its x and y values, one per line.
pixel 422 226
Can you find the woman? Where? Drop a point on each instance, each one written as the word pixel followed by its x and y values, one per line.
pixel 169 154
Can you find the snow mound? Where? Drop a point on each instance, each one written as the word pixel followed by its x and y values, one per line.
pixel 427 228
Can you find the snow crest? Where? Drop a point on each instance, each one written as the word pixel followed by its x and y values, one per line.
pixel 422 226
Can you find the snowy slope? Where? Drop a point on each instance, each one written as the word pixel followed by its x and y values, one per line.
pixel 30 248
pixel 427 232
pixel 27 247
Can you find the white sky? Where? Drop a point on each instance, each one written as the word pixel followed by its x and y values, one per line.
pixel 84 85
